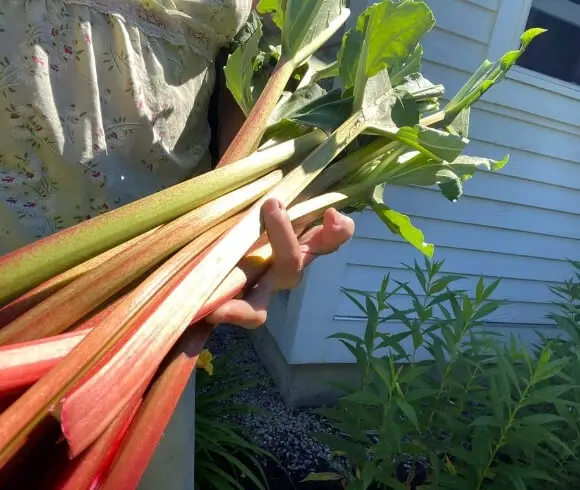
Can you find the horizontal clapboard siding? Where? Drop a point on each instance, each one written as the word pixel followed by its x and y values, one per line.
pixel 520 225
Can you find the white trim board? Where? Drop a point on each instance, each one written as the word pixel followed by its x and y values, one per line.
pixel 511 22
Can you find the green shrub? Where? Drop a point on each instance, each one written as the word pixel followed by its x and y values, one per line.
pixel 447 403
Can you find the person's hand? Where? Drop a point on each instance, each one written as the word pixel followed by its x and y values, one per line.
pixel 290 257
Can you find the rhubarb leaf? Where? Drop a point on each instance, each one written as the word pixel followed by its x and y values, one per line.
pixel 246 31
pixel 239 71
pixel 348 55
pixel 328 116
pixel 439 145
pixel 423 171
pixel 420 88
pixel 452 189
pixel 327 111
pixel 460 125
pixel 385 109
pixel 274 7
pixel 370 47
pixel 292 102
pixel 305 26
pixel 400 224
pixel 487 76
pixel 411 64
pixel 322 69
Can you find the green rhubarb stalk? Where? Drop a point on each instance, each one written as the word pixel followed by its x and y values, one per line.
pixel 33 264
pixel 25 302
pixel 305 27
pixel 68 305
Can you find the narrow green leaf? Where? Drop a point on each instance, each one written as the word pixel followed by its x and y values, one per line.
pixel 400 224
pixel 486 77
pixel 409 412
pixel 379 367
pixel 322 477
pixel 346 336
pixel 486 421
pixel 540 419
pixel 358 304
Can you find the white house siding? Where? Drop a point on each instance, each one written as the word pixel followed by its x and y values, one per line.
pixel 519 225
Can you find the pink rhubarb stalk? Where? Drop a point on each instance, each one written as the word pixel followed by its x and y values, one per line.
pixel 25 302
pixel 86 471
pixel 250 134
pixel 154 414
pixel 22 418
pixel 23 364
pixel 68 305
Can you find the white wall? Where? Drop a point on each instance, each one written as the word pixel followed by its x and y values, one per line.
pixel 519 225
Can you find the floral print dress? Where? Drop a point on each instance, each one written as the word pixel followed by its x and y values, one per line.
pixel 102 102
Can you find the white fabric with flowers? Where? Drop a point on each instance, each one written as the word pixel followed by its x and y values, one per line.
pixel 102 102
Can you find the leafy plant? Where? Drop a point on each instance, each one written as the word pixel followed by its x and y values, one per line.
pixel 444 402
pixel 224 455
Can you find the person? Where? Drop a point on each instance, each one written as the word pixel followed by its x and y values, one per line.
pixel 103 102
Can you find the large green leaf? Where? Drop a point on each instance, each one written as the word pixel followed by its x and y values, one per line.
pixel 305 26
pixel 386 33
pixel 324 115
pixel 419 87
pixel 292 102
pixel 440 146
pixel 239 71
pixel 423 171
pixel 274 7
pixel 409 65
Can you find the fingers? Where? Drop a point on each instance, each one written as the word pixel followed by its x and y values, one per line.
pixel 336 229
pixel 249 313
pixel 286 254
pixel 290 257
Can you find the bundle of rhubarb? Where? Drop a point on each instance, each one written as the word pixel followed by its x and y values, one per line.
pixel 101 324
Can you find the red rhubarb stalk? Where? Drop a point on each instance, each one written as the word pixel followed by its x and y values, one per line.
pixel 250 134
pixel 25 302
pixel 65 307
pixel 154 414
pixel 23 364
pixel 31 409
pixel 85 471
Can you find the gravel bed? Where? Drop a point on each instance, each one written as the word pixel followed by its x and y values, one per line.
pixel 284 432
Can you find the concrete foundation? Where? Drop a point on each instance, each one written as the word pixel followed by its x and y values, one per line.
pixel 301 385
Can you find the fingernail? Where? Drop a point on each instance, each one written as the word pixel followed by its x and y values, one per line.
pixel 273 207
